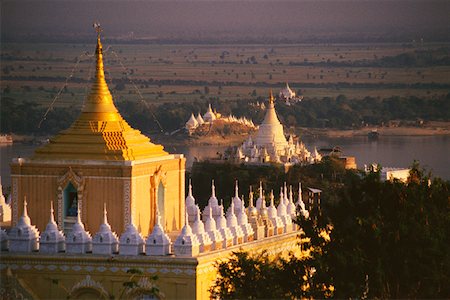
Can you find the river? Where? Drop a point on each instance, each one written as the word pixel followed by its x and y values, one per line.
pixel 390 151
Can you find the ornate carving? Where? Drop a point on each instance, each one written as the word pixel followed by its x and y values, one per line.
pixel 126 201
pixel 78 181
pixel 88 283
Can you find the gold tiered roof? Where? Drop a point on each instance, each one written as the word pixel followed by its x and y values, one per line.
pixel 100 133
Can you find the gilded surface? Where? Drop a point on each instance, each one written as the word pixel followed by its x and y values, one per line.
pixel 100 132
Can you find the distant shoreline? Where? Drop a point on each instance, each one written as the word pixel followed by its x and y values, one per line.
pixel 433 128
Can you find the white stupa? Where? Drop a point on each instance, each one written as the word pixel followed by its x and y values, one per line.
pixel 5 209
pixel 273 216
pixel 191 206
pixel 199 230
pixel 209 116
pixel 105 241
pixel 186 244
pixel 52 240
pixel 200 120
pixel 78 240
pixel 287 93
pixel 211 229
pixel 227 235
pixel 291 206
pixel 267 222
pixel 270 133
pixel 237 202
pixel 253 218
pixel 4 240
pixel 242 220
pixel 232 224
pixel 131 241
pixel 261 197
pixel 158 242
pixel 191 123
pixel 24 237
pixel 283 215
pixel 213 202
pixel 300 204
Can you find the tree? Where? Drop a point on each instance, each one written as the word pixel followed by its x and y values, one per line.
pixel 372 238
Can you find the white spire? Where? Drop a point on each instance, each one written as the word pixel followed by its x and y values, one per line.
pixel 252 210
pixel 212 202
pixel 190 200
pixel 78 240
pixel 272 209
pixel 186 244
pixel 236 200
pixel 24 237
pixel 199 230
pixel 105 241
pixel 226 233
pixel 191 207
pixel 158 242
pixel 232 224
pixel 52 240
pixel 211 230
pixel 300 202
pixel 261 196
pixel 291 206
pixel 131 241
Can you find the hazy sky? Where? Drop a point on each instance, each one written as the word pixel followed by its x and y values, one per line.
pixel 240 18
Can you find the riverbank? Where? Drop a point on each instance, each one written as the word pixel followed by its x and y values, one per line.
pixel 430 129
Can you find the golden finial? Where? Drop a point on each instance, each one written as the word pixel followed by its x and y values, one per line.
pixel 271 98
pixel 97 28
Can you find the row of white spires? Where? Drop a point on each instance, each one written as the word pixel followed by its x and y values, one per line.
pixel 215 232
pixel 210 116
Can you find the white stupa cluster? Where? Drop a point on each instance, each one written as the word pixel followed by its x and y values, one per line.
pixel 269 144
pixel 289 95
pixel 211 116
pixel 210 230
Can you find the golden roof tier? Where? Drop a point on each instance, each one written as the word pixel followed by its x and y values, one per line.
pixel 100 132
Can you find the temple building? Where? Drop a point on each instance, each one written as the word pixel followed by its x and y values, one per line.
pixel 288 95
pixel 196 124
pixel 100 157
pixel 101 201
pixel 269 144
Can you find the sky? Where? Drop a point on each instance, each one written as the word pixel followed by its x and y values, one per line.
pixel 227 18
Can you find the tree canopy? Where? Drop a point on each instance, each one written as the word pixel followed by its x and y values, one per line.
pixel 387 239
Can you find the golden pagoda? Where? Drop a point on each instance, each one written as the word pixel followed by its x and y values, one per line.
pixel 101 159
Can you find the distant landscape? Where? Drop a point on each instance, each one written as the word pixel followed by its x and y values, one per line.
pixel 345 86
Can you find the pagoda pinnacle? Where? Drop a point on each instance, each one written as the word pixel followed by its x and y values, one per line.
pixel 271 98
pixel 99 100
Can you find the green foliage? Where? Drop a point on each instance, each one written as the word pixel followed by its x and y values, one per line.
pixel 387 240
pixel 396 234
pixel 246 276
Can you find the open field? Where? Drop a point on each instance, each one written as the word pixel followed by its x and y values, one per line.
pixel 185 73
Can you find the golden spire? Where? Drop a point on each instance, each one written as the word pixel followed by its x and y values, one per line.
pixel 100 132
pixel 271 99
pixel 99 99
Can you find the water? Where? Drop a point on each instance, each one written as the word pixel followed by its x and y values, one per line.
pixel 390 151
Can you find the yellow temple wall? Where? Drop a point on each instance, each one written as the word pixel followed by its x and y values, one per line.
pixel 56 276
pixel 127 188
pixel 275 245
pixel 178 277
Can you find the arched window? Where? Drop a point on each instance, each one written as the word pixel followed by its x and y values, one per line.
pixel 70 201
pixel 161 200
